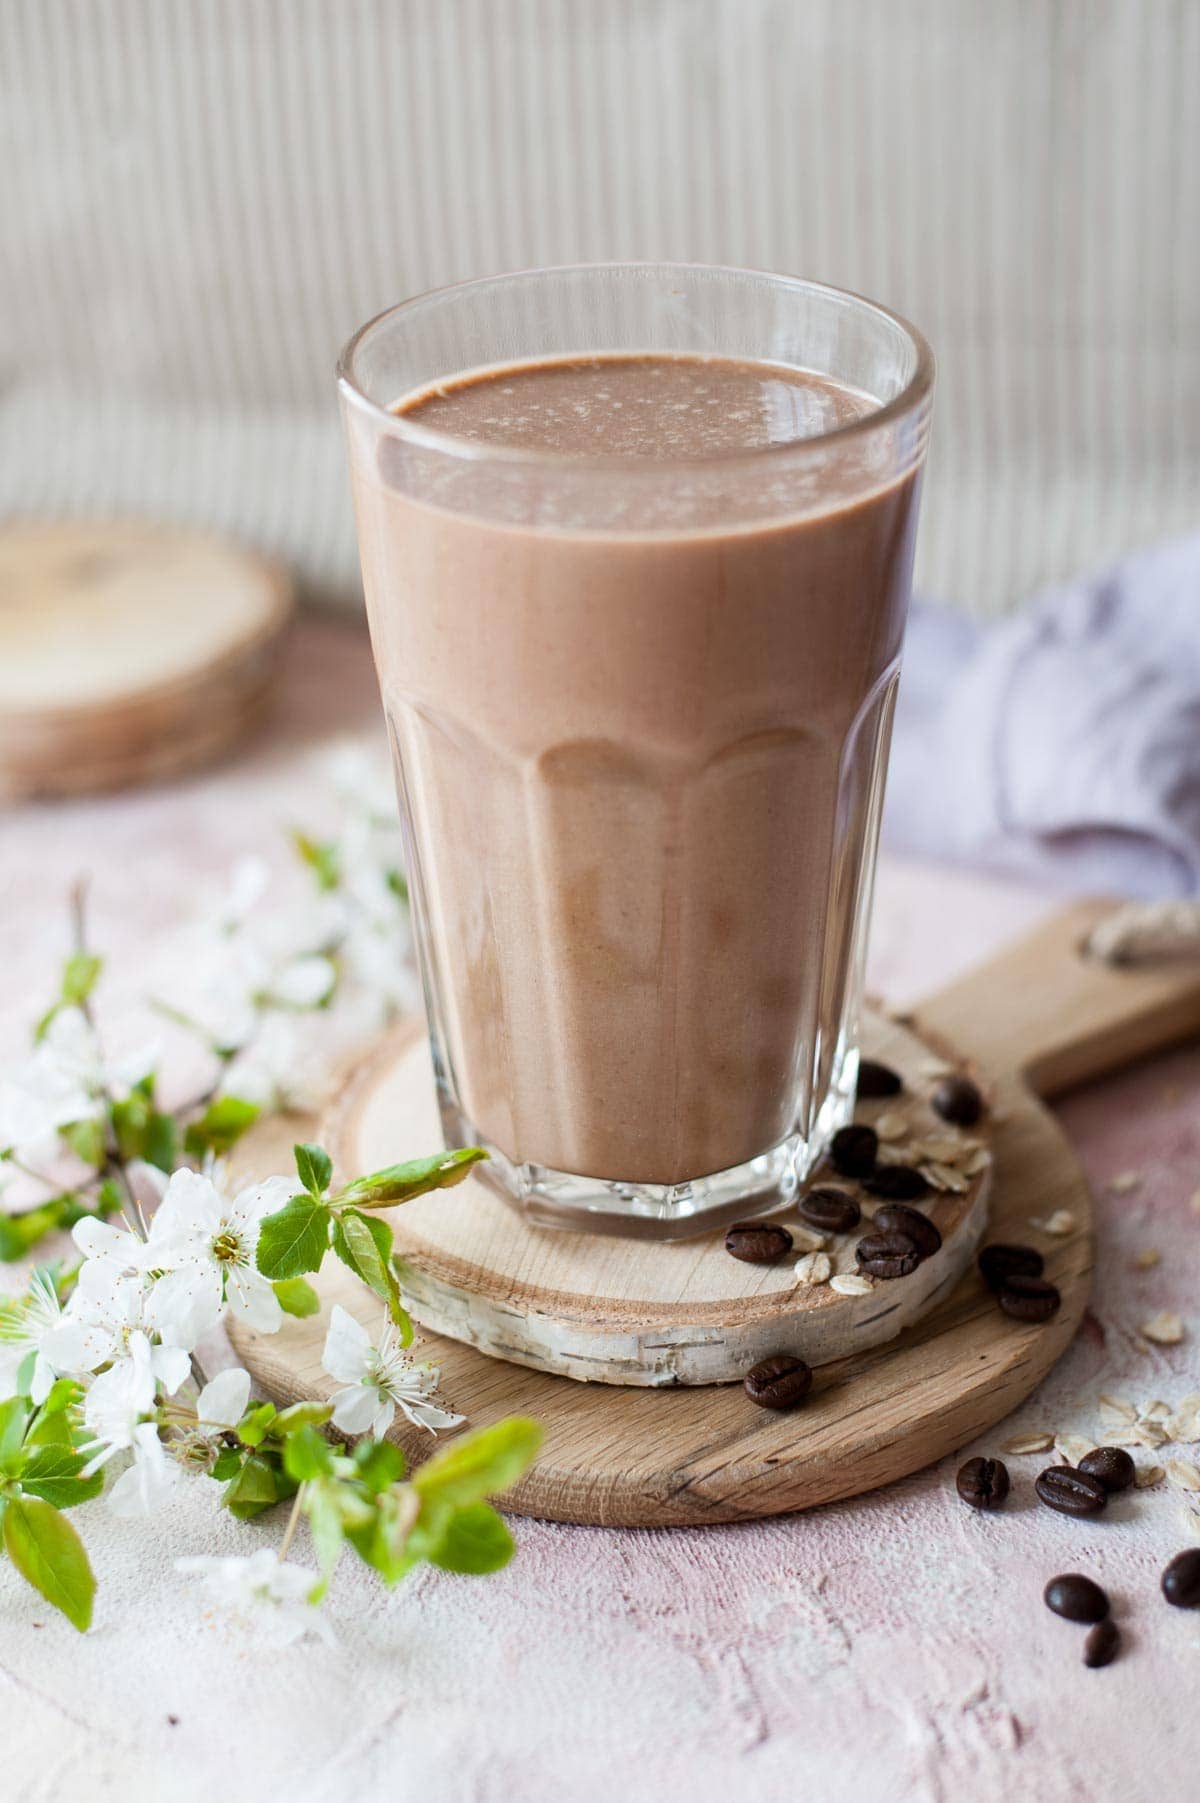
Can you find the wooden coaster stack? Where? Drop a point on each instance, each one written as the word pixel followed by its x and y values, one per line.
pixel 128 653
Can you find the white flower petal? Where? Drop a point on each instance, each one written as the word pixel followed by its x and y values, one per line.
pixel 354 1408
pixel 149 1480
pixel 250 1295
pixel 191 1206
pixel 347 1353
pixel 305 982
pixel 98 1240
pixel 222 1403
pixel 172 1366
pixel 424 1414
pixel 185 1304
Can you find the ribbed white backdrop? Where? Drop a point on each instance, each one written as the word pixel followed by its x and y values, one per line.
pixel 199 200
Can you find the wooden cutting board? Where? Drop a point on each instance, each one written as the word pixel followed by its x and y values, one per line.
pixel 129 652
pixel 1039 1018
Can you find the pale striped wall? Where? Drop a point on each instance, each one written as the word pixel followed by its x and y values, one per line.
pixel 200 198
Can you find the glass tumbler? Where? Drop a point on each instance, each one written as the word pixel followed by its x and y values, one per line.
pixel 640 711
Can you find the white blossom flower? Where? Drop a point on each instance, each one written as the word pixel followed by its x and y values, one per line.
pixel 26 1324
pixel 269 1070
pixel 219 1407
pixel 222 1402
pixel 105 1322
pixel 206 1245
pixel 265 1590
pixel 147 1483
pixel 118 1402
pixel 378 1380
pixel 64 1080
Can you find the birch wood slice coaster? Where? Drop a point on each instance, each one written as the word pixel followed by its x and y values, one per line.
pixel 128 652
pixel 905 1372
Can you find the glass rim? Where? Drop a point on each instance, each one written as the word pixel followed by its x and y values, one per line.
pixel 915 392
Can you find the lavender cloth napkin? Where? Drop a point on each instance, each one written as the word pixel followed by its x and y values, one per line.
pixel 1064 743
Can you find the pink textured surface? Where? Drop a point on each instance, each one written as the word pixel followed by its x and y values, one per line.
pixel 894 1647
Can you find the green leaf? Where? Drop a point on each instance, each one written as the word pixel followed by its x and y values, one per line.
pixel 307 1454
pixel 296 1297
pixel 256 1423
pixel 14 1414
pixel 401 1182
pixel 365 1247
pixel 300 1414
pixel 53 1473
pixel 227 1465
pixel 321 858
pixel 86 1140
pixel 379 1463
pixel 52 1423
pixel 476 1540
pixel 49 1554
pixel 295 1239
pixel 315 1167
pixel 19 1233
pixel 80 974
pixel 141 1130
pixel 258 1486
pixel 321 1505
pixel 220 1127
pixel 480 1464
pixel 397 882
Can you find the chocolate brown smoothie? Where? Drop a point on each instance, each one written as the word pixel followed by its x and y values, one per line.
pixel 641 763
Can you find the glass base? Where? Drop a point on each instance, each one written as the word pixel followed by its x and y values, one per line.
pixel 657 1211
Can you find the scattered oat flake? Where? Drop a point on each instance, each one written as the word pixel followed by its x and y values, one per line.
pixel 892 1124
pixel 1073 1447
pixel 1124 1182
pixel 851 1283
pixel 813 1268
pixel 979 1161
pixel 942 1148
pixel 1182 1475
pixel 1060 1223
pixel 1147 1258
pixel 1146 1476
pixel 1191 1522
pixel 1028 1443
pixel 808 1239
pixel 1195 1204
pixel 1158 1410
pixel 1165 1329
pixel 1147 1433
pixel 942 1177
pixel 936 1067
pixel 1185 1422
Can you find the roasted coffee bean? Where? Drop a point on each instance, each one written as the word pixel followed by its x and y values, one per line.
pixel 958 1101
pixel 853 1150
pixel 1181 1579
pixel 896 1182
pixel 758 1242
pixel 830 1210
pixel 1000 1262
pixel 887 1254
pixel 1103 1643
pixel 876 1080
pixel 779 1382
pixel 1112 1465
pixel 1029 1298
pixel 983 1483
pixel 1076 1598
pixel 1071 1492
pixel 897 1217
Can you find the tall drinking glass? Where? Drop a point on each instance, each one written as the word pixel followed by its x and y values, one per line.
pixel 637 544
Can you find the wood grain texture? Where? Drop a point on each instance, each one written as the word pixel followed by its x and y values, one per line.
pixel 655 1457
pixel 128 653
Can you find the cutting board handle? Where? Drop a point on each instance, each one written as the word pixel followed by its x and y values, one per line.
pixel 1046 1009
